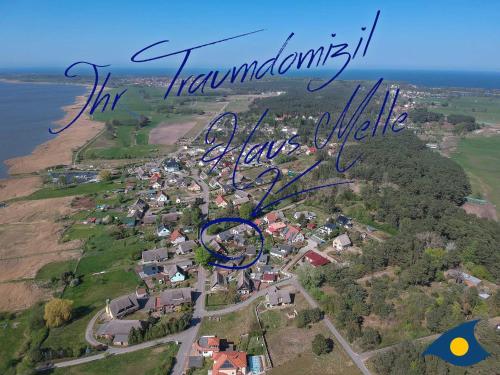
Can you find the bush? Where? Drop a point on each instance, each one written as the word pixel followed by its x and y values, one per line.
pixel 321 345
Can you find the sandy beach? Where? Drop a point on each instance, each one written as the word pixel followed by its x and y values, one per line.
pixel 58 151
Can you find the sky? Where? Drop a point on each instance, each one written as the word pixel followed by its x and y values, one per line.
pixel 444 35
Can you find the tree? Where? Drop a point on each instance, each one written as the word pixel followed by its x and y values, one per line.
pixel 105 175
pixel 202 256
pixel 370 338
pixel 321 345
pixel 245 211
pixel 57 312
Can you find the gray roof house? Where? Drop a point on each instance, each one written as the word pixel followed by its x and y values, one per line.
pixel 155 255
pixel 118 330
pixel 122 306
pixel 169 299
pixel 218 282
pixel 276 297
pixel 185 247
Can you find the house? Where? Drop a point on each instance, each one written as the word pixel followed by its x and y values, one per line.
pixel 226 189
pixel 185 247
pixel 208 345
pixel 462 277
pixel 250 251
pixel 174 272
pixel 149 270
pixel 220 201
pixel 162 231
pixel 162 197
pixel 281 251
pixel 270 218
pixel 194 187
pixel 170 300
pixel 244 284
pixel 177 237
pixel 344 221
pixel 118 330
pixel 240 201
pixel 275 228
pixel 269 277
pixel 276 297
pixel 327 229
pixel 141 293
pixel 122 306
pixel 218 282
pixel 315 259
pixel 171 217
pixel 264 259
pixel 171 165
pixel 308 215
pixel 229 363
pixel 149 218
pixel 292 234
pixel 342 242
pixel 155 255
pixel 225 236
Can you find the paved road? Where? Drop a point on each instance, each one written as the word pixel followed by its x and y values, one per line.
pixel 89 331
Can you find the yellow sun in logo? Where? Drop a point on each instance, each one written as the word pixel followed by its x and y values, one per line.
pixel 459 346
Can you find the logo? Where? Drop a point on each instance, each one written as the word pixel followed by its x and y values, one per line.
pixel 458 346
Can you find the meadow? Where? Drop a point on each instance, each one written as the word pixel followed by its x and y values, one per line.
pixel 480 158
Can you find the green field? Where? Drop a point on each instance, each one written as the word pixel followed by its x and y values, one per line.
pixel 486 109
pixel 144 361
pixel 57 192
pixel 480 158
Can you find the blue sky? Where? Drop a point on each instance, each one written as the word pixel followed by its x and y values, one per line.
pixel 451 35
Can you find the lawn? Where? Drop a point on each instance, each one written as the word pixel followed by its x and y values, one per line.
pixel 55 269
pixel 480 158
pixel 12 335
pixel 334 363
pixel 56 192
pixel 140 362
pixel 486 109
pixel 231 326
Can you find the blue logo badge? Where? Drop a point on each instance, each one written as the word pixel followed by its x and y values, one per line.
pixel 458 346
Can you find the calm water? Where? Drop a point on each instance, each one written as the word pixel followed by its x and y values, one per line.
pixel 26 112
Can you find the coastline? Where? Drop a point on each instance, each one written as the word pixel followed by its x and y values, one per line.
pixel 57 151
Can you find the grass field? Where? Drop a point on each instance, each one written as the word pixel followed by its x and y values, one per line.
pixel 12 333
pixel 480 158
pixel 486 109
pixel 56 192
pixel 140 362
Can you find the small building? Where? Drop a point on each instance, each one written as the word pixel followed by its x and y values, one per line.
pixel 174 273
pixel 162 231
pixel 276 297
pixel 170 300
pixel 229 363
pixel 122 306
pixel 155 255
pixel 315 259
pixel 177 237
pixel 218 282
pixel 118 330
pixel 220 202
pixel 342 242
pixel 244 284
pixel 208 345
pixel 185 247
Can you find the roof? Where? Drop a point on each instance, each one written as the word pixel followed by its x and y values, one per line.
pixel 228 360
pixel 315 259
pixel 218 279
pixel 269 277
pixel 195 361
pixel 187 245
pixel 271 217
pixel 174 297
pixel 119 306
pixel 276 296
pixel 155 255
pixel 118 327
pixel 172 269
pixel 343 239
pixel 175 235
pixel 220 199
pixel 243 281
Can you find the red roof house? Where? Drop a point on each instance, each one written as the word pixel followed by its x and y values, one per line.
pixel 229 363
pixel 315 259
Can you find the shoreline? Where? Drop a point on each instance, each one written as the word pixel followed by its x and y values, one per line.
pixel 56 151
